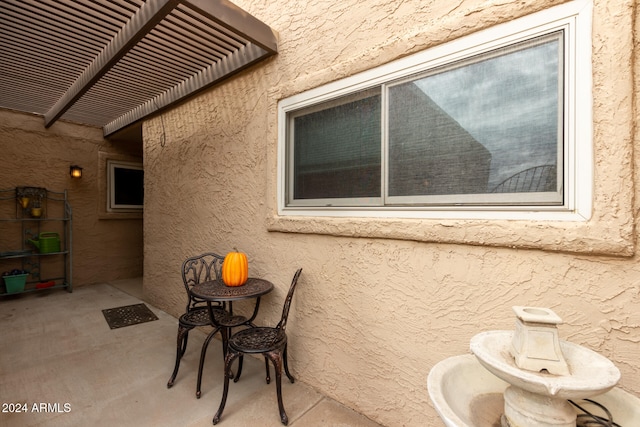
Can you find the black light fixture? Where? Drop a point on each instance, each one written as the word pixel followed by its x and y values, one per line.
pixel 75 171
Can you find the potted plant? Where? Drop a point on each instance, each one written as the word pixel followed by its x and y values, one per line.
pixel 15 280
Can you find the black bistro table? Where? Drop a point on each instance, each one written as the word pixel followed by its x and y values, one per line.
pixel 217 291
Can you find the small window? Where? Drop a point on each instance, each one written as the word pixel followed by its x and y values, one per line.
pixel 126 186
pixel 486 123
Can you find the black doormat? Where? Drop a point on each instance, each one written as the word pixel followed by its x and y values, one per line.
pixel 128 315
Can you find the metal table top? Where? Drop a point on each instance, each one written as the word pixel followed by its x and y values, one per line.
pixel 216 290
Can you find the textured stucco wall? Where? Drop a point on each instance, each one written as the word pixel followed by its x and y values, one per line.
pixel 30 155
pixel 373 314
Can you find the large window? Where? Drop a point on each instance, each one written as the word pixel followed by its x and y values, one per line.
pixel 488 123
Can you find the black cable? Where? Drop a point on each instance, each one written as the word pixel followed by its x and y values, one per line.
pixel 590 420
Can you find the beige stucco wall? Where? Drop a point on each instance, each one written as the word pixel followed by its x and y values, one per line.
pixel 30 155
pixel 381 301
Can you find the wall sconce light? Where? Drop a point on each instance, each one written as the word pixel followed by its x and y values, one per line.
pixel 75 171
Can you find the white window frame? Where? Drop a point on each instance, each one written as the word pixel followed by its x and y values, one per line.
pixel 574 18
pixel 112 206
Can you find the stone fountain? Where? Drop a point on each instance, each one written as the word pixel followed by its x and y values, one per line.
pixel 525 378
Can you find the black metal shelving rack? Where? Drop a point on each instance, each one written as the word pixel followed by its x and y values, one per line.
pixel 19 252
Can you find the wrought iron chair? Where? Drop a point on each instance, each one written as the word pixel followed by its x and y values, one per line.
pixel 197 269
pixel 268 341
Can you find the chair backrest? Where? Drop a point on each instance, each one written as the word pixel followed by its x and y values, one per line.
pixel 282 325
pixel 201 268
pixel 538 178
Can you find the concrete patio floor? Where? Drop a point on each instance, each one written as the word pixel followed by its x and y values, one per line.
pixel 60 361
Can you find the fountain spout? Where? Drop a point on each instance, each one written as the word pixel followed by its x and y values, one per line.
pixel 536 345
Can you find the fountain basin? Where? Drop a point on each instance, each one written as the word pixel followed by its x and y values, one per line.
pixel 591 373
pixel 466 394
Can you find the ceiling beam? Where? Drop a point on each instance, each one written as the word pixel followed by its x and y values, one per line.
pixel 232 64
pixel 144 20
pixel 238 21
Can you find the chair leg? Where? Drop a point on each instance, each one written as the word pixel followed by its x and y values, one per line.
pixel 184 343
pixel 236 377
pixel 228 360
pixel 203 353
pixel 286 366
pixel 183 334
pixel 266 366
pixel 276 359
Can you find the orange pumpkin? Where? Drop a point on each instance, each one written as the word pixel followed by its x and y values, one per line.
pixel 235 269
